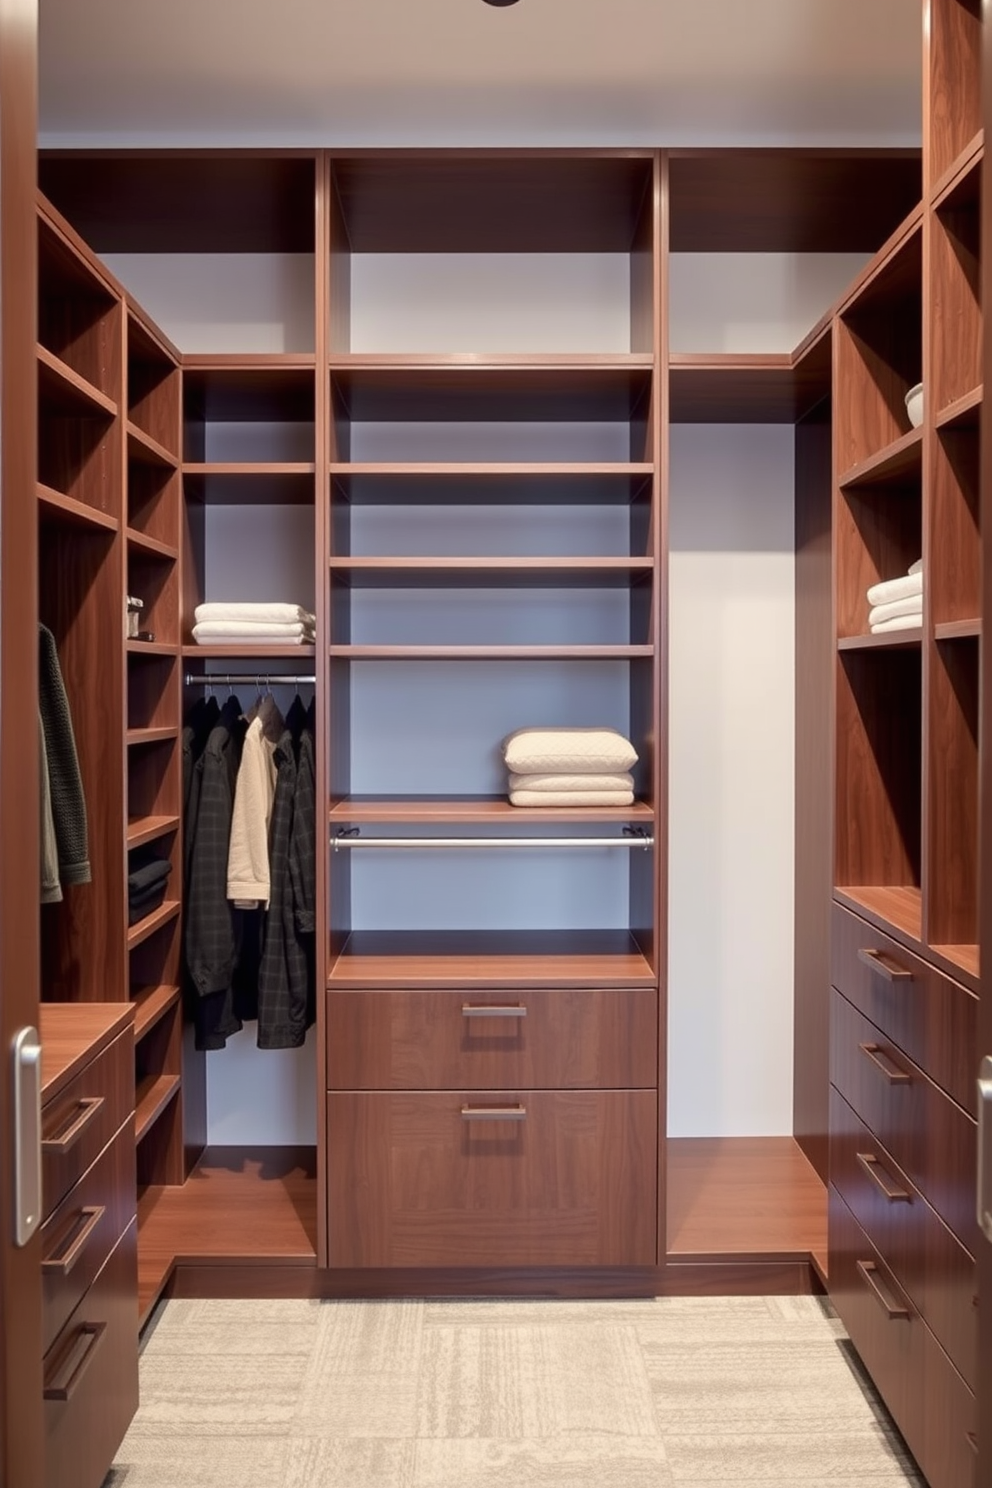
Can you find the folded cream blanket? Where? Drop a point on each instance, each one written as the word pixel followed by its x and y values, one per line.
pixel 893 589
pixel 553 785
pixel 902 622
pixel 571 798
pixel 285 614
pixel 252 630
pixel 898 607
pixel 568 751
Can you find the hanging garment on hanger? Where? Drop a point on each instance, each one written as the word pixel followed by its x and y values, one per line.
pixel 51 889
pixel 286 975
pixel 248 872
pixel 68 804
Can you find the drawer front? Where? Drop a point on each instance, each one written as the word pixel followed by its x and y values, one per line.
pixel 552 1178
pixel 930 1017
pixel 930 1137
pixel 77 1239
pixel 951 1421
pixel 924 1257
pixel 91 1375
pixel 884 1326
pixel 444 1040
pixel 78 1123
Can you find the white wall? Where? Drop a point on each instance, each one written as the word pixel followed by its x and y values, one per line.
pixel 756 302
pixel 732 697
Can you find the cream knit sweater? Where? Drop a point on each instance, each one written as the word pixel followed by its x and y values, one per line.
pixel 248 855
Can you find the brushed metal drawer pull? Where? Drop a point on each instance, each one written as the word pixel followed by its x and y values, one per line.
pixel 868 1272
pixel 63 1264
pixel 88 1110
pixel 76 1362
pixel 493 1010
pixel 884 965
pixel 879 1177
pixel 494 1113
pixel 886 1064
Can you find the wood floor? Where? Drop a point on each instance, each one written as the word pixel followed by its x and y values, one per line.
pixel 245 1222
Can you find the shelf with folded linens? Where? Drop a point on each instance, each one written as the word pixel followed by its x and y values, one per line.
pixel 479 810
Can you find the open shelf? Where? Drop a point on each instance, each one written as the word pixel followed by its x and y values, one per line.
pixel 534 958
pixel 259 652
pixel 146 927
pixel 884 640
pixel 144 829
pixel 476 810
pixel 964 956
pixel 151 547
pixel 228 483
pixel 53 506
pixel 890 464
pixel 66 391
pixel 140 736
pixel 151 1005
pixel 151 1098
pixel 150 648
pixel 480 483
pixel 142 448
pixel 735 388
pixel 489 653
pixel 957 630
pixel 963 413
pixel 900 906
pixel 504 573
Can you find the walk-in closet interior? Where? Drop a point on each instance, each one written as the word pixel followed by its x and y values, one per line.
pixel 610 439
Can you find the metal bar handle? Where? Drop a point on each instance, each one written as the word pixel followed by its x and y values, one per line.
pixel 26 1093
pixel 494 1113
pixel 77 1361
pixel 490 842
pixel 88 1108
pixel 894 1311
pixel 884 965
pixel 884 1062
pixel 63 1264
pixel 871 1165
pixel 494 1010
pixel 985 1147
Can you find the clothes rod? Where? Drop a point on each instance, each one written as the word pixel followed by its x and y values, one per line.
pixel 235 679
pixel 492 842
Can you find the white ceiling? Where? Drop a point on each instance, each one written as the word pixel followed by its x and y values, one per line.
pixel 612 72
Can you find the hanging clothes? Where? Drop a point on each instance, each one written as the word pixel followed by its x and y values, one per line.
pixel 285 981
pixel 64 781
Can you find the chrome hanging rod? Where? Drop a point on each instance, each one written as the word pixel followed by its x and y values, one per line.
pixel 634 840
pixel 235 679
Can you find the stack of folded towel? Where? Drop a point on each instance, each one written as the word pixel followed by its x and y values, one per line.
pixel 146 884
pixel 569 767
pixel 272 624
pixel 898 603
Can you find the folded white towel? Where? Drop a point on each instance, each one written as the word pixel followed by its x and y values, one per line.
pixel 286 614
pixel 915 568
pixel 571 798
pixel 554 784
pixel 247 630
pixel 904 622
pixel 898 607
pixel 893 589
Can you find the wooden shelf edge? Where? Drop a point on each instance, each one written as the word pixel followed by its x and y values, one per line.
pixel 144 829
pixel 260 652
pixel 139 736
pixel 152 546
pixel 72 512
pixel 489 653
pixel 253 361
pixel 151 1005
pixel 146 927
pixel 897 907
pixel 888 640
pixel 964 410
pixel 249 469
pixel 151 648
pixel 957 170
pixel 141 443
pixel 79 388
pixel 151 1099
pixel 955 630
pixel 491 362
pixel 895 459
pixel 479 469
pixel 965 958
pixel 480 809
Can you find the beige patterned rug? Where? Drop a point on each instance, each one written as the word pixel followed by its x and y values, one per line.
pixel 677 1391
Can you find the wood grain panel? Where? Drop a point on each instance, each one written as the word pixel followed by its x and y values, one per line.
pixel 86 1113
pixel 444 1040
pixel 953 99
pixel 953 784
pixel 72 1034
pixel 930 1137
pixel 951 1422
pixel 955 290
pixel 412 1183
pixel 475 959
pixel 930 1017
pixel 955 554
pixel 879 534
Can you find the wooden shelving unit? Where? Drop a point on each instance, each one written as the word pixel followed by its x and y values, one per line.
pixel 151 1004
pixel 473 810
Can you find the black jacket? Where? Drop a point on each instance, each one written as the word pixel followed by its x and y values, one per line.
pixel 284 979
pixel 65 781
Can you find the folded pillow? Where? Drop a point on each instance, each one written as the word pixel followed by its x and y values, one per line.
pixel 554 784
pixel 572 798
pixel 237 610
pixel 572 751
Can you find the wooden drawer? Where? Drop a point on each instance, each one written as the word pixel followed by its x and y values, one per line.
pixel 565 1178
pixel 560 1039
pixel 930 1017
pixel 77 1239
pixel 91 1375
pixel 924 1257
pixel 885 1327
pixel 951 1421
pixel 930 1137
pixel 78 1123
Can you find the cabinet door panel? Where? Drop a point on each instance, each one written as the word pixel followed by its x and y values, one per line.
pixel 555 1178
pixel 950 1424
pixel 568 1038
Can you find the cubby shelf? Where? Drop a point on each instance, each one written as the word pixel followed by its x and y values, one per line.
pixel 150 648
pixel 729 387
pixel 151 1098
pixel 62 389
pixel 142 829
pixel 140 736
pixel 956 630
pixel 890 640
pixel 891 464
pixel 53 506
pixel 465 482
pixel 421 573
pixel 151 1005
pixel 150 547
pixel 477 810
pixel 146 450
pixel 963 413
pixel 146 927
pixel 231 483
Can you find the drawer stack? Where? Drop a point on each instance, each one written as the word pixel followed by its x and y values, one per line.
pixel 902 1180
pixel 89 1240
pixel 498 1128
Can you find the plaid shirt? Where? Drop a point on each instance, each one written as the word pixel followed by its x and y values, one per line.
pixel 285 978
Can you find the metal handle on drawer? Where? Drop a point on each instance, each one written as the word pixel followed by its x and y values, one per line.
pixel 493 1010
pixel 885 965
pixel 878 1176
pixel 63 1144
pixel 494 1113
pixel 63 1264
pixel 868 1272
pixel 985 1147
pixel 64 1389
pixel 886 1064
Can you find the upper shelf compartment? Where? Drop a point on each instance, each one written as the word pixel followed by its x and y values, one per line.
pixel 952 81
pixel 78 317
pixel 492 252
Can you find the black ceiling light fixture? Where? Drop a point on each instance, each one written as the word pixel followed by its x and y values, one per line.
pixel 501 2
